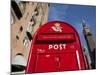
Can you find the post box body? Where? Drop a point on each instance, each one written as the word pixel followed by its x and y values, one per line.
pixel 55 47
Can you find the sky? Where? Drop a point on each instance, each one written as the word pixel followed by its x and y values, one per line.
pixel 74 14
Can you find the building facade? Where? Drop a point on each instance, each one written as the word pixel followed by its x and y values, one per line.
pixel 26 18
pixel 90 44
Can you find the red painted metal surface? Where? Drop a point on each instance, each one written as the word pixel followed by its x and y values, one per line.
pixel 55 47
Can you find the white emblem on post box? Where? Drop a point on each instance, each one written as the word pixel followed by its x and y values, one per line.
pixel 57 27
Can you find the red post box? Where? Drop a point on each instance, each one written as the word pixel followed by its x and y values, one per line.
pixel 55 47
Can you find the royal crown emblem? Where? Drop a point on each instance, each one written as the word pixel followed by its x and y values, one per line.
pixel 57 27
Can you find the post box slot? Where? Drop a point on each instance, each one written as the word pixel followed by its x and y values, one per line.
pixel 55 37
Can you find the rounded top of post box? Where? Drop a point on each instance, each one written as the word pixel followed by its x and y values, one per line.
pixel 57 27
